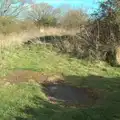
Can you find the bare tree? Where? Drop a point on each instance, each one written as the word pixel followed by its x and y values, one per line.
pixel 74 19
pixel 43 13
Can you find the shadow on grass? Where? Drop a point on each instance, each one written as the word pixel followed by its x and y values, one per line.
pixel 108 109
pixel 94 81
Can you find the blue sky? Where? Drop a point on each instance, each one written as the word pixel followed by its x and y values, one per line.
pixel 88 5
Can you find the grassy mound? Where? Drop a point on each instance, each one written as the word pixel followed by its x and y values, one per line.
pixel 26 101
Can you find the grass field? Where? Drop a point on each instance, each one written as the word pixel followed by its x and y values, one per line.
pixel 26 101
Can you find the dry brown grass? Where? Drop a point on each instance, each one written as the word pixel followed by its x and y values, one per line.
pixel 14 39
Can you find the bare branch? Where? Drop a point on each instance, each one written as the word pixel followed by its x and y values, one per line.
pixel 11 7
pixel 43 13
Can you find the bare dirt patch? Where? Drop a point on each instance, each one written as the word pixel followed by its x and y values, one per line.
pixel 20 76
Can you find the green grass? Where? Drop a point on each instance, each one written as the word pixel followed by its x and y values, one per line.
pixel 28 102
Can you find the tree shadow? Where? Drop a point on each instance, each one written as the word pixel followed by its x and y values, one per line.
pixel 43 110
pixel 108 109
pixel 94 81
